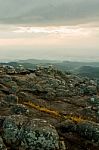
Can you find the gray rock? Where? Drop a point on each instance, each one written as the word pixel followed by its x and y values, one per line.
pixel 49 96
pixel 89 131
pixel 9 69
pixel 39 135
pixel 86 129
pixel 23 96
pixel 7 85
pixel 32 134
pixel 19 109
pixel 11 99
pixel 21 70
pixel 13 131
pixel 89 90
pixel 5 78
pixel 13 89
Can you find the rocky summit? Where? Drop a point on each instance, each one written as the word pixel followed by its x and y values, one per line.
pixel 47 109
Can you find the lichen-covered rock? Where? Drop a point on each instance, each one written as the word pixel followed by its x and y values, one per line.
pixel 38 134
pixel 13 89
pixel 32 134
pixel 23 96
pixel 46 88
pixel 90 90
pixel 89 130
pixel 7 84
pixel 49 96
pixel 19 109
pixel 5 78
pixel 85 129
pixel 11 99
pixel 9 69
pixel 21 70
pixel 94 101
pixel 12 130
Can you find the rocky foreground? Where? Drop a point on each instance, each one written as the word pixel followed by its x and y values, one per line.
pixel 46 109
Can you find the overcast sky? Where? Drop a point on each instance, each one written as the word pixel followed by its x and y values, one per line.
pixel 49 29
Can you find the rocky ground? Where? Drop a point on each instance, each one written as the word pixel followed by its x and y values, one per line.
pixel 46 109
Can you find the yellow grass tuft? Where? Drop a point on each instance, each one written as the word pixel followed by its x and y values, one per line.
pixel 54 113
pixel 74 118
pixel 43 109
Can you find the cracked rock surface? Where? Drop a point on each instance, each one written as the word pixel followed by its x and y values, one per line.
pixel 46 109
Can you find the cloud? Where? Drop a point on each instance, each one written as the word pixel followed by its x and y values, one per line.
pixel 48 12
pixel 60 30
pixel 49 28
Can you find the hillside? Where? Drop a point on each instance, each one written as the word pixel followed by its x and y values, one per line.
pixel 63 65
pixel 47 108
pixel 88 71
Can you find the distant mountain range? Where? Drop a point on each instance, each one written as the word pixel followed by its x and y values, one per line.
pixel 90 69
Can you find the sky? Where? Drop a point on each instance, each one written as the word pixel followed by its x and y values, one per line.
pixel 49 29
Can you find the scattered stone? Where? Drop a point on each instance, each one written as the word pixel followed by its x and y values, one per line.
pixel 50 88
pixel 19 109
pixel 9 69
pixel 11 99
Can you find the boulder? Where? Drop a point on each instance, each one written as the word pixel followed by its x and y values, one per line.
pixel 20 132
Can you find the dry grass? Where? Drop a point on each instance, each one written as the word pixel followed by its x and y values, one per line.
pixel 75 119
pixel 54 113
pixel 43 109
